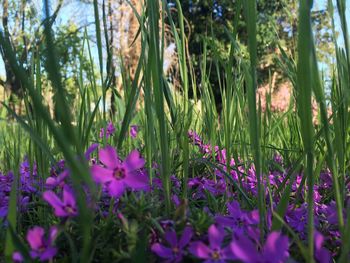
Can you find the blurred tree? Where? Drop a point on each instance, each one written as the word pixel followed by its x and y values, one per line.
pixel 123 42
pixel 71 58
pixel 23 28
pixel 276 25
pixel 18 18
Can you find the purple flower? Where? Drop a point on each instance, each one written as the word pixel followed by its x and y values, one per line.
pixel 57 168
pixel 4 209
pixel 275 249
pixel 41 246
pixel 276 178
pixel 59 180
pixel 54 181
pixel 5 189
pixel 17 257
pixel 176 200
pixel 326 181
pixel 90 150
pixel 321 254
pixel 297 218
pixel 176 182
pixel 175 252
pixel 157 183
pixel 110 129
pixel 214 252
pixel 330 212
pixel 63 208
pixel 6 182
pixel 202 184
pixel 243 222
pixel 59 173
pixel 277 158
pixel 27 177
pixel 25 168
pixel 117 175
pixel 23 203
pixel 133 131
pixel 237 216
pixel 196 140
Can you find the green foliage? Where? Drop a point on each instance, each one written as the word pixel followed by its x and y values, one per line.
pixel 208 20
pixel 226 59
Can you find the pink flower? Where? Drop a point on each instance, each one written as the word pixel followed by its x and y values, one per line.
pixel 54 181
pixel 110 129
pixel 275 249
pixel 17 257
pixel 63 208
pixel 175 251
pixel 133 131
pixel 116 175
pixel 41 246
pixel 321 254
pixel 214 252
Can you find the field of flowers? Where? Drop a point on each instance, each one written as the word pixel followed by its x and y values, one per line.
pixel 218 222
pixel 170 177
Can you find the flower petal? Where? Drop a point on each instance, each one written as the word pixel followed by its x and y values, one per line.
pixel 171 237
pixel 51 181
pixel 216 236
pixel 90 150
pixel 136 180
pixel 200 250
pixel 244 249
pixel 17 257
pixel 227 253
pixel 109 157
pixel 234 209
pixel 34 254
pixel 162 251
pixel 134 161
pixel 35 237
pixel 3 211
pixel 101 175
pixel 116 188
pixel 318 240
pixel 323 255
pixel 186 237
pixel 48 254
pixel 55 202
pixel 68 197
pixel 53 234
pixel 133 131
pixel 276 247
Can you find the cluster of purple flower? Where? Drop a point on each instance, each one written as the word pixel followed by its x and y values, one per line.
pixel 238 247
pixel 296 215
pixel 233 234
pixel 41 247
pixel 110 130
pixel 115 175
pixel 29 184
